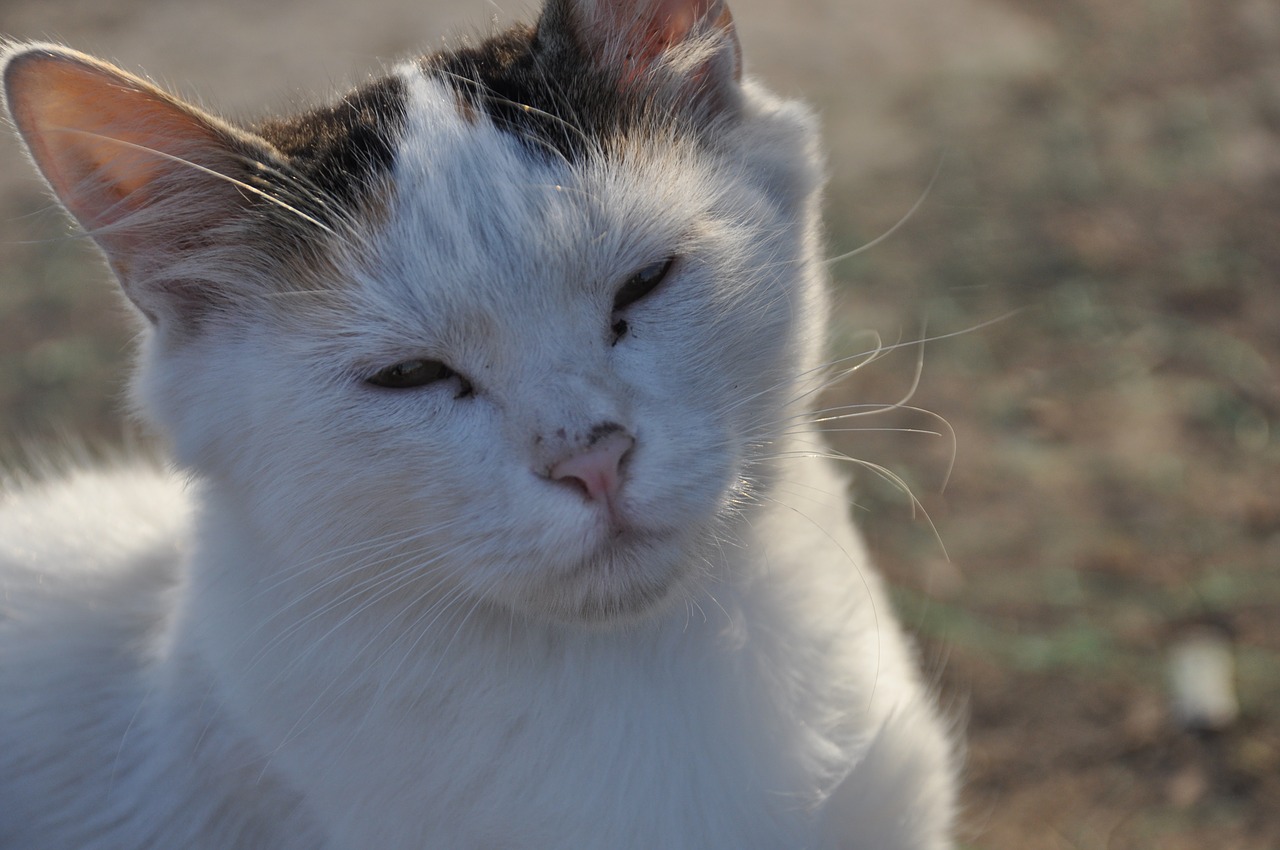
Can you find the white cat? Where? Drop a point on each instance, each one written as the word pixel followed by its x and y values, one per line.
pixel 497 520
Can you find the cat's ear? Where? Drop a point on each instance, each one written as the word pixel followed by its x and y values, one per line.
pixel 148 177
pixel 695 39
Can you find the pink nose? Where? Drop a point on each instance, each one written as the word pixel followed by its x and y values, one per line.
pixel 596 468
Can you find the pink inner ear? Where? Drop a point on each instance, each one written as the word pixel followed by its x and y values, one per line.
pixel 102 137
pixel 647 30
pixel 675 19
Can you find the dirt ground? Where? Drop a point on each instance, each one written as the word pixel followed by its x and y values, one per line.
pixel 1108 192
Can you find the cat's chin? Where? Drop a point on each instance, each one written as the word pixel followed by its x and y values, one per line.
pixel 631 577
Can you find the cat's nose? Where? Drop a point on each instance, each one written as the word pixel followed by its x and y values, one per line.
pixel 597 467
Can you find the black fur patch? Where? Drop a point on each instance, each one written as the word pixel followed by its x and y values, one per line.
pixel 544 91
pixel 535 82
pixel 339 149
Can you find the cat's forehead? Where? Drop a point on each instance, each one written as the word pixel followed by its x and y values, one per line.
pixel 548 98
pixel 501 171
pixel 477 217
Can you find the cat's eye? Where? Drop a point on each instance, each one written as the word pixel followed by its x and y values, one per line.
pixel 636 287
pixel 411 374
pixel 642 283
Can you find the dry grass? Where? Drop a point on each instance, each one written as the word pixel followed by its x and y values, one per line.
pixel 1119 467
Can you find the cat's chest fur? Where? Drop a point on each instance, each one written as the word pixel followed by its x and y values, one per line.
pixel 683 735
pixel 500 522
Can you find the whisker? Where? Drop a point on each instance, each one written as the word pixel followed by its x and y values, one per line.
pixel 918 509
pixel 871 430
pixel 830 261
pixel 310 714
pixel 406 571
pixel 239 184
pixel 373 545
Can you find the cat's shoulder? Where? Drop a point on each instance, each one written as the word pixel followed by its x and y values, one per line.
pixel 88 572
pixel 73 530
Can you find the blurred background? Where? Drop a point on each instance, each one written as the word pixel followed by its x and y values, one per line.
pixel 1107 191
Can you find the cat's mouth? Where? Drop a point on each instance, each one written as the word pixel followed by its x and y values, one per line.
pixel 630 573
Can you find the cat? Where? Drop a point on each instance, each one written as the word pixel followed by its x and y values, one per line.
pixel 495 516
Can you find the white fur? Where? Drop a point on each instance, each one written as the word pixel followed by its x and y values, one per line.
pixel 361 624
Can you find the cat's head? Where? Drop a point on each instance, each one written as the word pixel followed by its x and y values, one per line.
pixel 514 323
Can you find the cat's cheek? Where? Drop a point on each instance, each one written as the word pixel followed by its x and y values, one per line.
pixel 170 390
pixel 680 477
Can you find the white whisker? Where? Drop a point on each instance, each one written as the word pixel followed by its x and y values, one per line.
pixel 239 184
pixel 830 261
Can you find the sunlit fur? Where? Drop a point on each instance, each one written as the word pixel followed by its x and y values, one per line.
pixel 360 618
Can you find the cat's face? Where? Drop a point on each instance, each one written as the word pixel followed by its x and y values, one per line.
pixel 515 365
